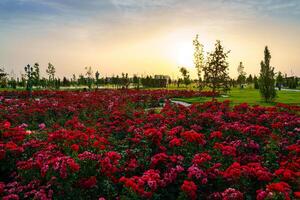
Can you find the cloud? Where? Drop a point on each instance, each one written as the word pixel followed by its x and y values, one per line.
pixel 73 28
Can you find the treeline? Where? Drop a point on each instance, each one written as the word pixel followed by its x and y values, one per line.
pixel 32 79
pixel 212 71
pixel 91 80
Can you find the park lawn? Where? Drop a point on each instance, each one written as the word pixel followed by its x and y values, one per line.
pixel 250 96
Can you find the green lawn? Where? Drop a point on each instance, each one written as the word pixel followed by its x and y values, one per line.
pixel 250 96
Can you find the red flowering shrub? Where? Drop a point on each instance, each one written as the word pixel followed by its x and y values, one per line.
pixel 190 188
pixel 88 182
pixel 232 194
pixel 193 137
pixel 107 144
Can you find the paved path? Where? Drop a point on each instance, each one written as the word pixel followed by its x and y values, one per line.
pixel 181 103
pixel 290 90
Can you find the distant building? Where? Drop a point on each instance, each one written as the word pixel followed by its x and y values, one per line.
pixel 162 77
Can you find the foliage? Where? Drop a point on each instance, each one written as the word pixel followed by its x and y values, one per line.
pixel 50 71
pixel 198 60
pixel 216 69
pixel 249 79
pixel 185 75
pixel 36 74
pixel 267 78
pixel 89 76
pixel 256 84
pixel 279 80
pixel 241 75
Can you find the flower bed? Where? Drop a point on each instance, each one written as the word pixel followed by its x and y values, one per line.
pixel 104 145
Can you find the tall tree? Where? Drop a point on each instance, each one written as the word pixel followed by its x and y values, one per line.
pixel 198 60
pixel 186 77
pixel 89 76
pixel 36 74
pixel 267 78
pixel 216 69
pixel 241 75
pixel 50 71
pixel 29 74
pixel 51 74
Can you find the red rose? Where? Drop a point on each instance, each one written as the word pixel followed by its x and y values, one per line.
pixel 88 182
pixel 75 147
pixel 190 188
pixel 7 124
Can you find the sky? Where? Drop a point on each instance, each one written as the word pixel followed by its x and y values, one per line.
pixel 146 36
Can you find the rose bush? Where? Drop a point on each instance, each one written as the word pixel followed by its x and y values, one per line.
pixel 107 145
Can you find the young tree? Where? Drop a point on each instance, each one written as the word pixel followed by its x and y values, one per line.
pixel 36 74
pixel 216 69
pixel 89 76
pixel 51 73
pixel 198 60
pixel 29 74
pixel 242 75
pixel 267 78
pixel 97 74
pixel 186 77
pixel 279 80
pixel 74 80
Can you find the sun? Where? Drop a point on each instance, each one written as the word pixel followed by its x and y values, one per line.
pixel 184 54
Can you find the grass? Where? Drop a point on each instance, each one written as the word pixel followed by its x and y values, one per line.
pixel 250 96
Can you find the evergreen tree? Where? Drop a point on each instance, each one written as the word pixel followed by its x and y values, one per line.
pixel 267 78
pixel 216 69
pixel 198 60
pixel 249 79
pixel 241 75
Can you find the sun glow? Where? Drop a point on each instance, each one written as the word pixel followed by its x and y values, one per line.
pixel 184 55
